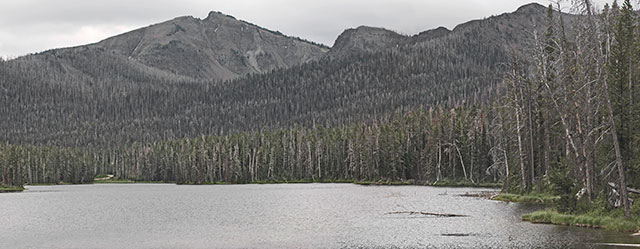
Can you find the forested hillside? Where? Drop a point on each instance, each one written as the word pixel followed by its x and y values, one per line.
pixel 95 96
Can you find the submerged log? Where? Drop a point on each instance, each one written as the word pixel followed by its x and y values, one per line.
pixel 429 213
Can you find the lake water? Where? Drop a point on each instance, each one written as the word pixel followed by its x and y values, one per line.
pixel 273 216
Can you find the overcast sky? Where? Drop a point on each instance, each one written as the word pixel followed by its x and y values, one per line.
pixel 28 26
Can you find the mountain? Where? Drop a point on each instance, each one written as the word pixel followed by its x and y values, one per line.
pixel 158 82
pixel 218 47
pixel 371 73
pixel 365 39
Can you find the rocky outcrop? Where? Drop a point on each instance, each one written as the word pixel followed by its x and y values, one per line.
pixel 365 39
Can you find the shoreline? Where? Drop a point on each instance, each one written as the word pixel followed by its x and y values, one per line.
pixel 610 221
pixel 111 180
pixel 11 189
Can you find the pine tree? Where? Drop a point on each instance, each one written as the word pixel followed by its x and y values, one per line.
pixel 620 75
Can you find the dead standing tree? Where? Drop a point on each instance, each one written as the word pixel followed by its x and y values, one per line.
pixel 515 84
pixel 600 60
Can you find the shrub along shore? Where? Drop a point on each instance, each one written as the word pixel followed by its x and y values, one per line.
pixel 598 217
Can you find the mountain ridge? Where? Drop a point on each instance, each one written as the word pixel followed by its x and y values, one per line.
pixel 94 95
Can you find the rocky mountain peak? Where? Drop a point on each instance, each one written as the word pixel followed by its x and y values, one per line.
pixel 430 34
pixel 531 8
pixel 217 47
pixel 365 39
pixel 213 15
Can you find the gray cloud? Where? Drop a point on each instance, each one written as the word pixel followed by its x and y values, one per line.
pixel 28 26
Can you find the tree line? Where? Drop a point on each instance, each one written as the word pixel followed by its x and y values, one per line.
pixel 21 165
pixel 425 146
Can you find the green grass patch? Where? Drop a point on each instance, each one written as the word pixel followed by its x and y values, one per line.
pixel 612 221
pixel 10 189
pixel 528 198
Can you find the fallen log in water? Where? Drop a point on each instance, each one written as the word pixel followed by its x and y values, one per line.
pixel 428 213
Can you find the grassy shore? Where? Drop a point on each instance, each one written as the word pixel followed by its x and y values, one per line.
pixel 528 198
pixel 287 182
pixel 385 183
pixel 301 181
pixel 613 221
pixel 465 184
pixel 10 189
pixel 118 181
pixel 366 183
pixel 597 217
pixel 106 179
pixel 50 183
pixel 115 180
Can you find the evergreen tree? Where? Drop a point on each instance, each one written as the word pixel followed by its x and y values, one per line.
pixel 620 67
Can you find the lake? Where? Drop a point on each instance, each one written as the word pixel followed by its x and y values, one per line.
pixel 273 216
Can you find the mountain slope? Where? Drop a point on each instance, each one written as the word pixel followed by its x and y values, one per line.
pixel 96 95
pixel 437 68
pixel 218 47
